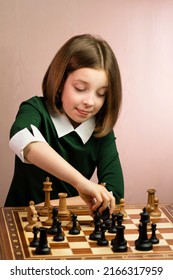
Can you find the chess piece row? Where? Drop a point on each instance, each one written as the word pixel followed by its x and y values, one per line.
pixel 112 225
pixel 41 243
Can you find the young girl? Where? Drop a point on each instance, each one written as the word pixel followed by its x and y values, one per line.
pixel 68 133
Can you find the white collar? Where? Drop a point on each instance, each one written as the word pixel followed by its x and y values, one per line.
pixel 64 127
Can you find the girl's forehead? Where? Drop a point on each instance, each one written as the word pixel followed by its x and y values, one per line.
pixel 90 75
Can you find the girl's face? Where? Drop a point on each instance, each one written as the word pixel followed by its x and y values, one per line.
pixel 84 94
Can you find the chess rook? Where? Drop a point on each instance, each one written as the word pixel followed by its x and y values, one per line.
pixel 150 203
pixel 62 209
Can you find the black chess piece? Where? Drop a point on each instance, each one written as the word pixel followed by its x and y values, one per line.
pixel 119 244
pixel 96 234
pixel 53 228
pixel 113 227
pixel 103 241
pixel 74 229
pixel 35 241
pixel 143 243
pixel 43 248
pixel 105 214
pixel 105 217
pixel 153 237
pixel 59 236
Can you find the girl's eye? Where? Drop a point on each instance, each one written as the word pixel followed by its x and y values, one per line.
pixel 101 94
pixel 79 89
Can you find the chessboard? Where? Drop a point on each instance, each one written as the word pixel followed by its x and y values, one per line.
pixel 15 240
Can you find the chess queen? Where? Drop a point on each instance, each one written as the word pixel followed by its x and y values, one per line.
pixel 67 133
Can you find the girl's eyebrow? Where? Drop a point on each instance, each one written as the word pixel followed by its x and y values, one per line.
pixel 85 82
pixel 80 81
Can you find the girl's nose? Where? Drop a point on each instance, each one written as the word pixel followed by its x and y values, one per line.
pixel 89 100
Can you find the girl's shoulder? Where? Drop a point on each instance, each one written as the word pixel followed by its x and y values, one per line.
pixel 35 100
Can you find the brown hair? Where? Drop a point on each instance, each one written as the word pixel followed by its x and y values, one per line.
pixel 86 51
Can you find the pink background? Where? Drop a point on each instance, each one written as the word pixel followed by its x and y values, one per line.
pixel 141 35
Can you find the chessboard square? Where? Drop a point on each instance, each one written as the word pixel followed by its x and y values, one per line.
pixel 158 235
pixel 131 243
pixel 60 252
pixel 24 219
pixel 134 212
pixel 129 229
pixel 140 251
pixel 129 250
pixel 101 250
pixel 127 221
pixel 167 226
pixel 86 228
pixel 166 230
pixel 158 220
pixel 86 218
pixel 29 234
pixel 76 238
pixel 87 232
pixel 159 248
pixel 162 242
pixel 134 222
pixel 92 243
pixel 76 245
pixel 109 237
pixel 131 237
pixel 59 245
pixel 167 235
pixel 82 251
pixel 170 241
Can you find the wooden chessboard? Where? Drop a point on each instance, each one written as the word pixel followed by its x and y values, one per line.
pixel 14 240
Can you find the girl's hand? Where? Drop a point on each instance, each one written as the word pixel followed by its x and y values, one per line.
pixel 97 196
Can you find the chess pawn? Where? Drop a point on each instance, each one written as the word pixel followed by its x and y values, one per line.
pixel 43 248
pixel 59 236
pixel 121 205
pixel 74 230
pixel 96 234
pixel 35 241
pixel 53 228
pixel 153 237
pixel 156 212
pixel 113 227
pixel 103 241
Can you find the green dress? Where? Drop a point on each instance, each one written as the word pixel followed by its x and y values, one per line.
pixel 97 153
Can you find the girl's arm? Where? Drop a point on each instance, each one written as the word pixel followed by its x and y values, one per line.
pixel 46 158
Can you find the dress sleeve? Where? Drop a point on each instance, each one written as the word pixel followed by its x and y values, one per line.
pixel 109 168
pixel 25 129
pixel 22 138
